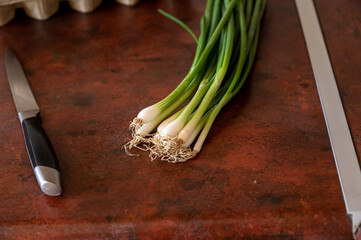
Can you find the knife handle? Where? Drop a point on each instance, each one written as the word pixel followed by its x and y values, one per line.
pixel 40 150
pixel 42 156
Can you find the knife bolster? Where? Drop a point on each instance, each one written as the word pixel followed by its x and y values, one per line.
pixel 28 114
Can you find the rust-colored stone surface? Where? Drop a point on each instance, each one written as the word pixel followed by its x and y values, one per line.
pixel 266 169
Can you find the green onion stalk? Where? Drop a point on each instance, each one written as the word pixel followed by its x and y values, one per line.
pixel 226 48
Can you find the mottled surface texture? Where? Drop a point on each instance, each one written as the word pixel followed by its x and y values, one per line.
pixel 266 169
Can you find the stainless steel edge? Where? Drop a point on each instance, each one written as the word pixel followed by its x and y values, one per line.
pixel 25 103
pixel 342 146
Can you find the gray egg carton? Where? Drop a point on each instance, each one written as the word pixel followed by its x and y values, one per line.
pixel 43 9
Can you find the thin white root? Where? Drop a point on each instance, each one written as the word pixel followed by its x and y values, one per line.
pixel 135 125
pixel 165 148
pixel 169 149
pixel 137 141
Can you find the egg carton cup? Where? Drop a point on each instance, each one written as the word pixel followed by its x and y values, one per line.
pixel 43 9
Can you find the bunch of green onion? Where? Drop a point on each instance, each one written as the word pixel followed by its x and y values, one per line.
pixel 226 48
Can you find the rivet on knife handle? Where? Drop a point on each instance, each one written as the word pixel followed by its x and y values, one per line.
pixel 342 146
pixel 40 150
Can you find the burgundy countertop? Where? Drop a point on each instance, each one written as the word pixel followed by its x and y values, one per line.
pixel 265 171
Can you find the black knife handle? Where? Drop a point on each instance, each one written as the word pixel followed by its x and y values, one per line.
pixel 40 150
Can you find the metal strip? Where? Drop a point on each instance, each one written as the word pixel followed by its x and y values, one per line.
pixel 342 146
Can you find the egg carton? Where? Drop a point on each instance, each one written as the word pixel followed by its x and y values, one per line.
pixel 43 9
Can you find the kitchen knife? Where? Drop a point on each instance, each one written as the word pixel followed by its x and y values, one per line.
pixel 342 146
pixel 40 150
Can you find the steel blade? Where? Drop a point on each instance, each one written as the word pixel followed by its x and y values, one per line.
pixel 342 146
pixel 23 97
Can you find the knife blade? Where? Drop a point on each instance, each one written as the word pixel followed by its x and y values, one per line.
pixel 341 142
pixel 41 152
